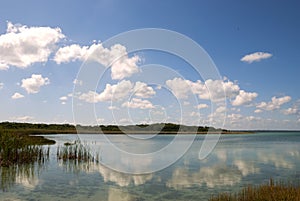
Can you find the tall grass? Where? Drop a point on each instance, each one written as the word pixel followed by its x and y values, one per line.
pixel 20 157
pixel 76 156
pixel 17 150
pixel 274 191
pixel 76 152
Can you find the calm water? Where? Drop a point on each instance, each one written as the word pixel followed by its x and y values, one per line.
pixel 237 160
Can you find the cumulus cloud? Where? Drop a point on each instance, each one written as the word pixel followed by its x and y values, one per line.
pixel 221 109
pixel 116 56
pixel 290 111
pixel 141 89
pixel 138 103
pixel 119 92
pixel 113 107
pixel 1 85
pixel 257 111
pixel 202 106
pixel 214 90
pixel 32 85
pixel 22 118
pixel 63 98
pixel 116 92
pixel 274 104
pixel 89 97
pixel 256 56
pixel 22 46
pixel 244 98
pixel 17 96
pixel 71 53
pixel 179 87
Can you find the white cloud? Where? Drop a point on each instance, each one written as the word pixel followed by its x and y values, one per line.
pixel 290 111
pixel 116 56
pixel 275 103
pixel 215 90
pixel 125 88
pixel 186 103
pixel 112 107
pixel 125 121
pixel 90 97
pixel 202 106
pixel 116 92
pixel 256 56
pixel 142 90
pixel 22 46
pixel 22 118
pixel 221 109
pixel 234 117
pixel 71 53
pixel 124 67
pixel 179 87
pixel 138 103
pixel 32 85
pixel 194 114
pixel 1 85
pixel 77 82
pixel 17 96
pixel 218 87
pixel 244 98
pixel 257 111
pixel 63 98
pixel 119 91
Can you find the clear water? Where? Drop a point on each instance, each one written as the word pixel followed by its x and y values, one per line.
pixel 237 160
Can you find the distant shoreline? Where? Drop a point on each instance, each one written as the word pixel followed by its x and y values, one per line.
pixel 142 129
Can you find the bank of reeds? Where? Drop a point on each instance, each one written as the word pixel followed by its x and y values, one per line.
pixel 18 150
pixel 273 191
pixel 76 157
pixel 76 152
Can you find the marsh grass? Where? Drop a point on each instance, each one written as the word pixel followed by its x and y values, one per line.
pixel 76 152
pixel 273 191
pixel 21 156
pixel 76 157
pixel 19 149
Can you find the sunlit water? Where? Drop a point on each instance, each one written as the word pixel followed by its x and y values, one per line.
pixel 237 160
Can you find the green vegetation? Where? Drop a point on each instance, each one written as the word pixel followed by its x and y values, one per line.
pixel 162 128
pixel 21 149
pixel 28 128
pixel 267 192
pixel 76 152
pixel 76 157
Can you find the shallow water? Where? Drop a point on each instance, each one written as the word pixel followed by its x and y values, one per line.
pixel 237 160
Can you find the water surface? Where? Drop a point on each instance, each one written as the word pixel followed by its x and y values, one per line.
pixel 237 160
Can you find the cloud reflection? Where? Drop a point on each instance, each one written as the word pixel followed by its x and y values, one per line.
pixel 217 175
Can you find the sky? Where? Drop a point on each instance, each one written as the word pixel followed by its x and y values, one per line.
pixel 46 46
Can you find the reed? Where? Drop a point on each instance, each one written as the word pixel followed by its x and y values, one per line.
pixel 278 191
pixel 76 152
pixel 17 150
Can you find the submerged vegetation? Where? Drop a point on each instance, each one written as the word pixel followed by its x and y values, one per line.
pixel 267 192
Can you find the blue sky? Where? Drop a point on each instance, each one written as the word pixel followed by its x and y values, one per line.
pixel 262 88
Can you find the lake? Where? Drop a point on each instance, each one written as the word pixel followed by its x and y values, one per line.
pixel 236 161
